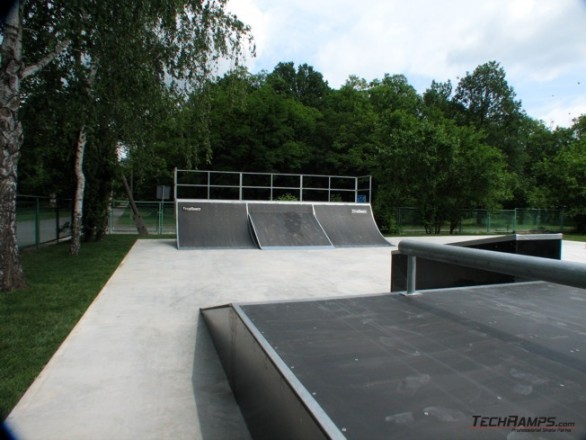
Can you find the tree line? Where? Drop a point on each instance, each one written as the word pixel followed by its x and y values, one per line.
pixel 93 90
pixel 453 147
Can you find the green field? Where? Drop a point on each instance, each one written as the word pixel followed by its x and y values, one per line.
pixel 36 320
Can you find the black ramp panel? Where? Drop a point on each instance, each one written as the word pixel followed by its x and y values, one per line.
pixel 476 362
pixel 213 225
pixel 282 225
pixel 350 225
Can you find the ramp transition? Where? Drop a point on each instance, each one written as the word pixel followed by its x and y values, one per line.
pixel 215 225
pixel 286 225
pixel 275 225
pixel 349 225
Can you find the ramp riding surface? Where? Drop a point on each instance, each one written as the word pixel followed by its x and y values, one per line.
pixel 349 224
pixel 213 224
pixel 280 225
pixel 447 364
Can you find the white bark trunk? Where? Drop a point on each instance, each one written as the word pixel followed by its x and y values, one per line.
pixel 12 71
pixel 11 274
pixel 76 220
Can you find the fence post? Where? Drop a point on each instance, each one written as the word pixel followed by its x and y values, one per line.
pixel 111 216
pixel 399 220
pixel 160 219
pixel 57 221
pixel 37 222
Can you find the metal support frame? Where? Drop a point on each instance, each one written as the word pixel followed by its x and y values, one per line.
pixel 535 268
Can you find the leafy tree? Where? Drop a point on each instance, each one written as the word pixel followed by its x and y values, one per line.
pixel 346 141
pixel 562 176
pixel 265 130
pixel 488 103
pixel 115 56
pixel 433 164
pixel 304 85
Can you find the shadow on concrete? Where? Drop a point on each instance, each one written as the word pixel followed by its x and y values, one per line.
pixel 219 414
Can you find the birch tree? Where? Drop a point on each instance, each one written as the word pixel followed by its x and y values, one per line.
pixel 118 55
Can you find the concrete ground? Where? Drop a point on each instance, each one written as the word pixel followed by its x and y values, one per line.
pixel 140 363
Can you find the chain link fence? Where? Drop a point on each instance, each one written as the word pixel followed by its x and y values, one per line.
pixel 158 217
pixel 41 220
pixel 410 221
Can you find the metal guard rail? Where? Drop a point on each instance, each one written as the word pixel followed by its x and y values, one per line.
pixel 545 269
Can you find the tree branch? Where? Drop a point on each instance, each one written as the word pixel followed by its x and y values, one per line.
pixel 39 65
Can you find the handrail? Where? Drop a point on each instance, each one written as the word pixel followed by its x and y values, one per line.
pixel 359 185
pixel 546 269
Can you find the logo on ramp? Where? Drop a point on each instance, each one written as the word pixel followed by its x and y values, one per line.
pixel 190 209
pixel 359 211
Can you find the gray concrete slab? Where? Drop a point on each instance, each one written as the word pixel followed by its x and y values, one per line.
pixel 140 363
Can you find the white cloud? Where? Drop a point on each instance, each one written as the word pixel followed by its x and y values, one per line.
pixel 536 41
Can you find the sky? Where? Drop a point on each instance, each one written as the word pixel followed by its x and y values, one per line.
pixel 541 44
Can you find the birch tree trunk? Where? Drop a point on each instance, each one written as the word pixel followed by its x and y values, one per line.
pixel 12 71
pixel 11 274
pixel 77 214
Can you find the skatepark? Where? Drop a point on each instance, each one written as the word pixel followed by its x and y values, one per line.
pixel 143 363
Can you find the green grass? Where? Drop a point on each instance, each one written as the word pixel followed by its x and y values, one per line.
pixel 36 320
pixel 574 237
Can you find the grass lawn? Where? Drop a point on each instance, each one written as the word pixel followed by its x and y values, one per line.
pixel 36 320
pixel 574 237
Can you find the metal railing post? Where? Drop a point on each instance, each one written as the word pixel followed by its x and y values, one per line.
pixel 411 273
pixel 301 188
pixel 240 187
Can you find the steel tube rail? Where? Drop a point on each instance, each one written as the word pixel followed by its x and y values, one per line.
pixel 561 272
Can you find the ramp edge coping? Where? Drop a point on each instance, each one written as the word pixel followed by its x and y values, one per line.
pixel 320 416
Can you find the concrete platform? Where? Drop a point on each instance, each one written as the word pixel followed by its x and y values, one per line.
pixel 140 363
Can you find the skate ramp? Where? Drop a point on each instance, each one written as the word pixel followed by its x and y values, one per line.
pixel 389 366
pixel 350 224
pixel 213 224
pixel 220 224
pixel 286 225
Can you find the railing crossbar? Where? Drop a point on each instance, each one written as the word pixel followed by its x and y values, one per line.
pixel 536 268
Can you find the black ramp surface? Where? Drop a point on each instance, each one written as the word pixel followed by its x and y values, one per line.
pixel 280 225
pixel 477 362
pixel 350 225
pixel 212 225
